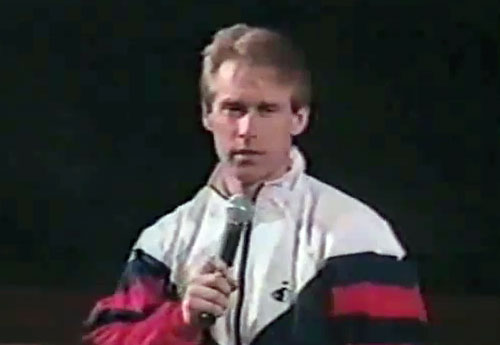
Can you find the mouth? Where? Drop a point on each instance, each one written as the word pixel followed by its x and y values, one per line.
pixel 246 152
pixel 244 156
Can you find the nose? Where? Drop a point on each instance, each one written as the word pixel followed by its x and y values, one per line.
pixel 246 126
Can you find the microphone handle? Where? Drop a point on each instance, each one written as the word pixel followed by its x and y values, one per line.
pixel 206 319
pixel 230 243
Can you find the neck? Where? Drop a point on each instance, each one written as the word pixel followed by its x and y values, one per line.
pixel 231 184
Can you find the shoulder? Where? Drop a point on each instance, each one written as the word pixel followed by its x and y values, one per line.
pixel 349 225
pixel 161 237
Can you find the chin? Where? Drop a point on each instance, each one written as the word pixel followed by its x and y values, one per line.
pixel 247 175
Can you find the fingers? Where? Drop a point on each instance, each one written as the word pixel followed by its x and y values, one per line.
pixel 226 271
pixel 208 266
pixel 214 280
pixel 193 306
pixel 231 280
pixel 208 294
pixel 219 265
pixel 212 265
pixel 207 290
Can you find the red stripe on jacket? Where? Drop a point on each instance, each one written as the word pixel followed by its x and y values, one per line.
pixel 164 326
pixel 143 294
pixel 378 301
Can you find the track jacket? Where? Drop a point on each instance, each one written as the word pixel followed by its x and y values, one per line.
pixel 316 267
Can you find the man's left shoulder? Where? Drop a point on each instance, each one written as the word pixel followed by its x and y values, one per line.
pixel 350 225
pixel 333 203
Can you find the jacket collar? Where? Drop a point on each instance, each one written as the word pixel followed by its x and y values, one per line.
pixel 287 181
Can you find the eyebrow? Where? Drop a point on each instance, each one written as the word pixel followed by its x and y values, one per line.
pixel 232 103
pixel 242 105
pixel 267 105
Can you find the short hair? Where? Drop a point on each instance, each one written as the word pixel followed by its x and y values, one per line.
pixel 256 46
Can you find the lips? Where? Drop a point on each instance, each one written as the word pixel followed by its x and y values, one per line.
pixel 246 152
pixel 245 156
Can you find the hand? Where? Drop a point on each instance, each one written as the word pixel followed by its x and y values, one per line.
pixel 207 290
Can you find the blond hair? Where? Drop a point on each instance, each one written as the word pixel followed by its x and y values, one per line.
pixel 256 46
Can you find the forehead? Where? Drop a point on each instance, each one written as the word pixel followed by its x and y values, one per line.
pixel 239 80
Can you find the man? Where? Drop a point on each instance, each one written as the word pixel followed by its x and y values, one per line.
pixel 316 266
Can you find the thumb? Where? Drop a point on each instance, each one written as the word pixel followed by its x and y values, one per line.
pixel 209 266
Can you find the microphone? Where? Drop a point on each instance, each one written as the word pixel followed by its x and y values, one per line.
pixel 239 214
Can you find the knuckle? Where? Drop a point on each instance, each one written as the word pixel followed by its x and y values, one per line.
pixel 220 299
pixel 222 303
pixel 225 286
pixel 211 279
pixel 189 291
pixel 196 277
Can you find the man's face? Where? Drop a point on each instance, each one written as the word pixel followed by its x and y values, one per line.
pixel 252 121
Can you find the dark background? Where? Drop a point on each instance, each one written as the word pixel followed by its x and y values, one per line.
pixel 100 132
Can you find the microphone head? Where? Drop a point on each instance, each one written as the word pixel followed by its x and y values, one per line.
pixel 240 210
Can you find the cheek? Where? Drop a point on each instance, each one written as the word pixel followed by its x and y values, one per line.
pixel 279 127
pixel 222 130
pixel 278 135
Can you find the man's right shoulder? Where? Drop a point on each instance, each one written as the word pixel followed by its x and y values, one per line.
pixel 163 234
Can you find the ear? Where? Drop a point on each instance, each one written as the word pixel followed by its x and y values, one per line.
pixel 205 117
pixel 206 120
pixel 300 121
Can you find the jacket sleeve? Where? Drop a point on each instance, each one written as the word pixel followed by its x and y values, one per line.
pixel 374 299
pixel 144 310
pixel 373 290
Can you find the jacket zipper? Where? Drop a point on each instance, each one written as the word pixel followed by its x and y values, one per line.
pixel 242 273
pixel 241 281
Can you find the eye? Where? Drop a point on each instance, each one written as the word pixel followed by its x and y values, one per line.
pixel 233 109
pixel 267 109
